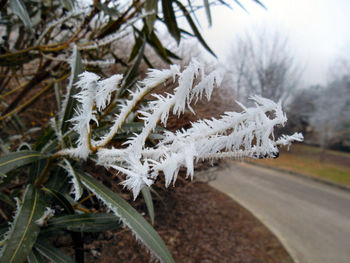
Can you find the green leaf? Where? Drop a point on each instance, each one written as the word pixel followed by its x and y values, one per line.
pixel 19 9
pixel 69 102
pixel 131 76
pixel 36 169
pixel 51 231
pixel 170 19
pixel 130 217
pixel 45 137
pixel 54 254
pixel 68 137
pixel 171 54
pixel 158 47
pixel 193 27
pixel 149 64
pixel 24 230
pixel 151 6
pixel 149 202
pixel 58 181
pixel 86 222
pixel 207 11
pixel 10 161
pixel 78 188
pixel 159 197
pixel 136 49
pixel 155 43
pixel 58 95
pixel 61 200
pixel 35 257
pixel 6 199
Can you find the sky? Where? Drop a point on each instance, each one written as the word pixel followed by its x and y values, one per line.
pixel 318 31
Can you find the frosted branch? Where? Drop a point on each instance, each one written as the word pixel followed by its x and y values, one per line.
pixel 245 134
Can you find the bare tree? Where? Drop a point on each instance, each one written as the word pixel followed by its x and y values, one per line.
pixel 262 64
pixel 301 108
pixel 330 118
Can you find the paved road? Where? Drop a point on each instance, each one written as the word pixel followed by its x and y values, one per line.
pixel 311 219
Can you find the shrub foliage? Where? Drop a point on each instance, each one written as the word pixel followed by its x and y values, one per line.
pixel 104 120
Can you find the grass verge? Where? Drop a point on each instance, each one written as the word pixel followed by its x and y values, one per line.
pixel 304 159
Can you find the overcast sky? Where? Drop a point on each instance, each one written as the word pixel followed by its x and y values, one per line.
pixel 318 30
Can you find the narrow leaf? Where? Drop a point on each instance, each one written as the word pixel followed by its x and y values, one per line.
pixel 151 6
pixel 7 199
pixel 149 64
pixel 170 19
pixel 149 202
pixel 193 27
pixel 131 75
pixel 24 230
pixel 58 95
pixel 130 217
pixel 192 11
pixel 69 102
pixel 52 253
pixel 85 222
pixel 241 6
pixel 60 199
pixel 207 11
pixel 77 187
pixel 154 41
pixel 46 232
pixel 136 49
pixel 19 9
pixel 225 4
pixel 171 54
pixel 44 139
pixel 260 3
pixel 10 161
pixel 35 257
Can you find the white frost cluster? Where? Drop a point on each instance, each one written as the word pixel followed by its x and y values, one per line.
pixel 249 133
pixel 93 94
pixel 48 213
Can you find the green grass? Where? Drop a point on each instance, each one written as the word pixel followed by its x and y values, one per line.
pixel 304 159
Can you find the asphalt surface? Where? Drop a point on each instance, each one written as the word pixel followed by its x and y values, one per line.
pixel 311 219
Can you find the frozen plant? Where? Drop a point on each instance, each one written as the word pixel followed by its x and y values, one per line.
pixel 249 133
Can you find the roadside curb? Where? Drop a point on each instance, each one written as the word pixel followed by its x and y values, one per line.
pixel 309 177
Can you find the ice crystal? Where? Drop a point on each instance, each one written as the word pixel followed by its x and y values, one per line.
pixel 249 133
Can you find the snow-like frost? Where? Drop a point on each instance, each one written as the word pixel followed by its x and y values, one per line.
pixel 249 133
pixel 48 213
pixel 77 188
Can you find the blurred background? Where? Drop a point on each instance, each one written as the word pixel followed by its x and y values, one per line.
pixel 297 52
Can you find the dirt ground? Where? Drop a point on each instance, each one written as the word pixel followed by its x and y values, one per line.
pixel 198 224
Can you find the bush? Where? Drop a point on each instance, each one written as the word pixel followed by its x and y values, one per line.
pixel 106 122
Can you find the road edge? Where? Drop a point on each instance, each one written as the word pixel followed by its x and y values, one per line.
pixel 309 177
pixel 258 216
